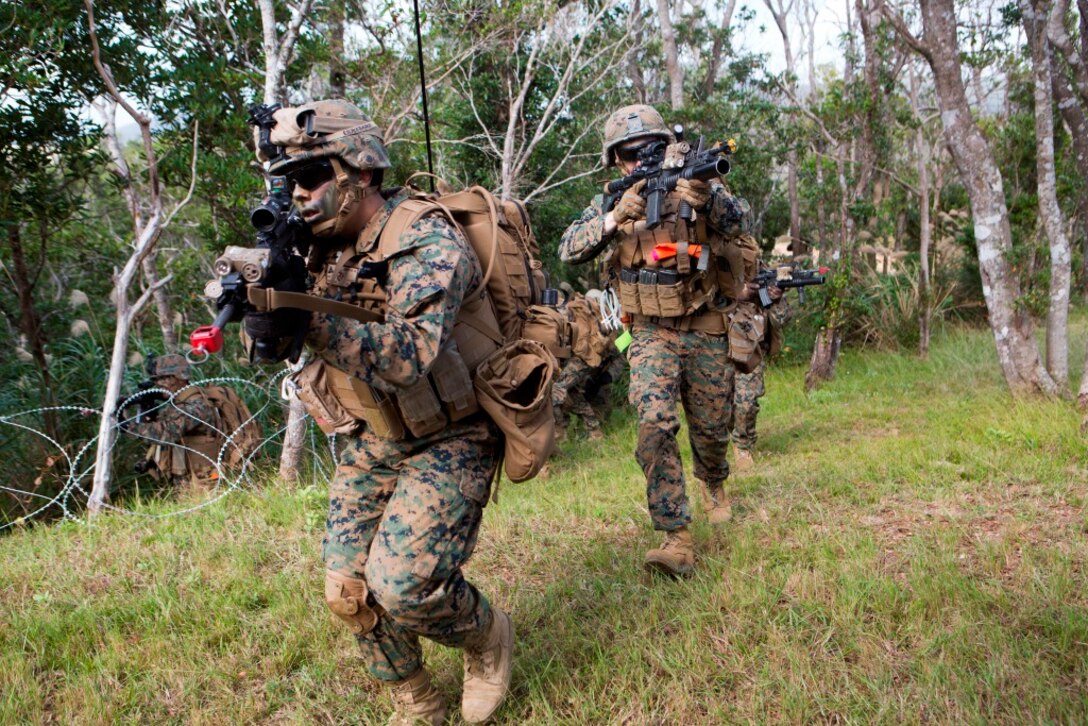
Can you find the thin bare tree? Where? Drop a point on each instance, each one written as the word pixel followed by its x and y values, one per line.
pixel 564 44
pixel 672 55
pixel 780 10
pixel 925 227
pixel 123 173
pixel 146 226
pixel 278 51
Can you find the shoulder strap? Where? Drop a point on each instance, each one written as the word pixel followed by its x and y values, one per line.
pixel 404 216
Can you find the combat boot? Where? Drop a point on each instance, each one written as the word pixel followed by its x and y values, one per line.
pixel 716 503
pixel 744 461
pixel 489 663
pixel 675 557
pixel 417 702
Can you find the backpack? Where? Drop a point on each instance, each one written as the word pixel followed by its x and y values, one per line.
pixel 513 384
pixel 502 239
pixel 235 419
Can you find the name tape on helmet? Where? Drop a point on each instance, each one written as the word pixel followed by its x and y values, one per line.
pixel 355 131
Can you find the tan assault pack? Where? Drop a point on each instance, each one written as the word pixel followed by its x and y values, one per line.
pixel 587 340
pixel 236 422
pixel 490 362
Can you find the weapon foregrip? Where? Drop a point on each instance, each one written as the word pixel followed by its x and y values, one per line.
pixel 685 211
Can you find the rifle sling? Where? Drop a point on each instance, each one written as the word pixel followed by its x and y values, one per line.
pixel 264 298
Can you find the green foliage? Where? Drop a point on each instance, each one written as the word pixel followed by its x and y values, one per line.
pixel 891 306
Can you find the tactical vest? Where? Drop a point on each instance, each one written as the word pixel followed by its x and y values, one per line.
pixel 677 288
pixel 354 275
pixel 195 462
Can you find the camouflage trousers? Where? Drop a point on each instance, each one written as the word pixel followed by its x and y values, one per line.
pixel 669 366
pixel 569 395
pixel 404 516
pixel 748 390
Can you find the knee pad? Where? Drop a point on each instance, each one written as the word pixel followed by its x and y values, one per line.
pixel 346 597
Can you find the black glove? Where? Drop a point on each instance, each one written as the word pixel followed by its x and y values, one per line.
pixel 274 333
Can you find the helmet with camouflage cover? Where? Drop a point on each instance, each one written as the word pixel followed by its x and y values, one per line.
pixel 632 122
pixel 324 129
pixel 168 365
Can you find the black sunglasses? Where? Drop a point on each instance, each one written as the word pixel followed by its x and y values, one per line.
pixel 313 175
pixel 632 153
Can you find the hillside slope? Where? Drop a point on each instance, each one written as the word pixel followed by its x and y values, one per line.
pixel 910 548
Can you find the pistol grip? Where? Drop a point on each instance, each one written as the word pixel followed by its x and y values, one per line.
pixel 653 208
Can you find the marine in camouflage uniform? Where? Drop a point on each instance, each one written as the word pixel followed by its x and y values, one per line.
pixel 582 386
pixel 670 365
pixel 569 397
pixel 183 430
pixel 584 391
pixel 404 515
pixel 749 388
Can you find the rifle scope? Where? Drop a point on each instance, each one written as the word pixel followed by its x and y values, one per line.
pixel 267 215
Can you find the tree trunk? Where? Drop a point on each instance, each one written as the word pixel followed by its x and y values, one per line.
pixel 1073 114
pixel 825 357
pixel 634 68
pixel 163 309
pixel 870 120
pixel 717 49
pixel 821 208
pixel 825 351
pixel 1057 316
pixel 30 326
pixel 337 78
pixel 274 91
pixel 795 202
pixel 925 232
pixel 1014 332
pixel 780 18
pixel 274 48
pixel 107 428
pixel 672 56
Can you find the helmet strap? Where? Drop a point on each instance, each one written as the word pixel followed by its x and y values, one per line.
pixel 349 196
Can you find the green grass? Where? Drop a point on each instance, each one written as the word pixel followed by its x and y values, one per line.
pixel 911 548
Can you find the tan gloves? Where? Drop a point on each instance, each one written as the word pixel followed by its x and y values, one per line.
pixel 631 206
pixel 694 191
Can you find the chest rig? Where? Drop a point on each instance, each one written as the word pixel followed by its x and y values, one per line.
pixel 678 273
pixel 357 275
pixel 193 457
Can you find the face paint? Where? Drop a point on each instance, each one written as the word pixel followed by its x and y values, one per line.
pixel 321 211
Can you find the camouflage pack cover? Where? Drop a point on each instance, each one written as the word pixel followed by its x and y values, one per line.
pixel 339 128
pixel 632 122
pixel 168 365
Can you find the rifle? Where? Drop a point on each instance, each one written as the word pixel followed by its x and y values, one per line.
pixel 147 400
pixel 662 169
pixel 277 262
pixel 785 277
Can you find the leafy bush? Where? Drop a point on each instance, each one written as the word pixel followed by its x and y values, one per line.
pixel 892 308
